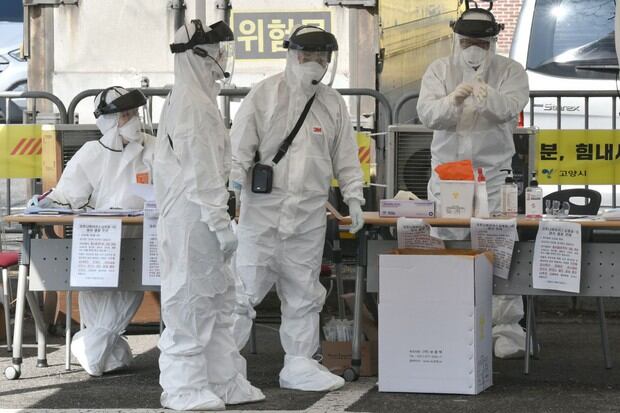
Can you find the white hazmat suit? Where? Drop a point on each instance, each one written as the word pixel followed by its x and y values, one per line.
pixel 281 234
pixel 471 100
pixel 201 368
pixel 100 176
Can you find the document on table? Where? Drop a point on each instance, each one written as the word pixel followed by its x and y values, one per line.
pixel 34 210
pixel 415 233
pixel 498 236
pixel 112 212
pixel 150 256
pixel 96 252
pixel 557 256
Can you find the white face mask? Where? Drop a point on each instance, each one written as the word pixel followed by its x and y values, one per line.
pixel 474 56
pixel 131 130
pixel 307 72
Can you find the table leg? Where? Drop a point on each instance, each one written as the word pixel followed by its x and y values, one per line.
pixel 356 358
pixel 337 252
pixel 68 308
pixel 40 326
pixel 7 307
pixel 528 333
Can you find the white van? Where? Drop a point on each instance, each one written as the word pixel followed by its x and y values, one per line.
pixel 568 45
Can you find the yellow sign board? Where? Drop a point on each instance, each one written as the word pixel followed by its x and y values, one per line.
pixel 578 157
pixel 20 151
pixel 364 147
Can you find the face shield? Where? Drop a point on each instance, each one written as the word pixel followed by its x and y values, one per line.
pixel 123 109
pixel 215 44
pixel 475 34
pixel 312 55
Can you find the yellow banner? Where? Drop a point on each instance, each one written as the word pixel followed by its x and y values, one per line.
pixel 20 151
pixel 578 157
pixel 363 143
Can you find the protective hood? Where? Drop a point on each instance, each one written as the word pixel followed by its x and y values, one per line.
pixel 123 101
pixel 113 135
pixel 475 39
pixel 203 58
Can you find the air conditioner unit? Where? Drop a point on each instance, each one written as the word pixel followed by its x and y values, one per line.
pixel 409 159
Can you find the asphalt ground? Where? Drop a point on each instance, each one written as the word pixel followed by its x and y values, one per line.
pixel 569 377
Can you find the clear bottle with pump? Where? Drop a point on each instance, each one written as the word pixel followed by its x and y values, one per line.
pixel 534 199
pixel 509 195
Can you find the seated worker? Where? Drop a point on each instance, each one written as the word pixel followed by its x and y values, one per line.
pixel 99 176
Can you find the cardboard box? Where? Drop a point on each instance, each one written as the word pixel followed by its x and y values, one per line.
pixel 457 198
pixel 435 321
pixel 337 357
pixel 419 208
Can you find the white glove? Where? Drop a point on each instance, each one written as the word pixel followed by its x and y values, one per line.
pixel 480 93
pixel 228 242
pixel 357 216
pixel 462 91
pixel 39 203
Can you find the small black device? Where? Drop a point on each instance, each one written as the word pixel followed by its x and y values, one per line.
pixel 262 175
pixel 262 178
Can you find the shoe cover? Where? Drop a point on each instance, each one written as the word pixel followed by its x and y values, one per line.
pixel 200 400
pixel 99 351
pixel 238 391
pixel 301 373
pixel 509 341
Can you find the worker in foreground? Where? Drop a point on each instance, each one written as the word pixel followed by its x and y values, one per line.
pixel 100 176
pixel 471 100
pixel 290 135
pixel 201 368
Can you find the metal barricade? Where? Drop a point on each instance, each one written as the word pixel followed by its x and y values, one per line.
pixel 558 108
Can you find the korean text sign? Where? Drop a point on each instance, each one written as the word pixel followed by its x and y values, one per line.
pixel 259 35
pixel 579 157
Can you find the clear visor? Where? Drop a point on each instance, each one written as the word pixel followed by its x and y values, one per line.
pixel 144 116
pixel 327 60
pixel 225 57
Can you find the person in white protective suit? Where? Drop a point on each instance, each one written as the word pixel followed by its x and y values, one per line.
pixel 100 176
pixel 201 368
pixel 281 233
pixel 471 100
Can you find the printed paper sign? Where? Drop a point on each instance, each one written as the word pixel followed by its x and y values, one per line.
pixel 96 252
pixel 499 236
pixel 415 233
pixel 557 256
pixel 150 256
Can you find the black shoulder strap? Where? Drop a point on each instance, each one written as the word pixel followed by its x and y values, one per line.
pixel 170 142
pixel 289 139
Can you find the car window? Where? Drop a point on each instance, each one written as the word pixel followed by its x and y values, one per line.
pixel 573 38
pixel 11 11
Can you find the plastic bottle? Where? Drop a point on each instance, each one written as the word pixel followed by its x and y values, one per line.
pixel 534 199
pixel 481 199
pixel 509 193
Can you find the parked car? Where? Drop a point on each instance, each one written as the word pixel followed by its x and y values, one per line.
pixel 13 69
pixel 569 45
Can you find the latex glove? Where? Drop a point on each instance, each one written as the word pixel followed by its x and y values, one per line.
pixel 357 216
pixel 480 93
pixel 228 242
pixel 40 202
pixel 462 91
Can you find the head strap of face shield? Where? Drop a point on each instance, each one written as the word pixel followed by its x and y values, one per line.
pixel 220 32
pixel 477 27
pixel 317 40
pixel 127 101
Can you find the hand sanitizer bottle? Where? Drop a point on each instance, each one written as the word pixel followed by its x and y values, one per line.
pixel 533 199
pixel 509 194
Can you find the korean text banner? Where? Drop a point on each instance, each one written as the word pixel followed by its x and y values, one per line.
pixel 259 35
pixel 20 151
pixel 578 157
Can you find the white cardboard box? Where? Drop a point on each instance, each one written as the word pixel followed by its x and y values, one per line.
pixel 435 321
pixel 419 208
